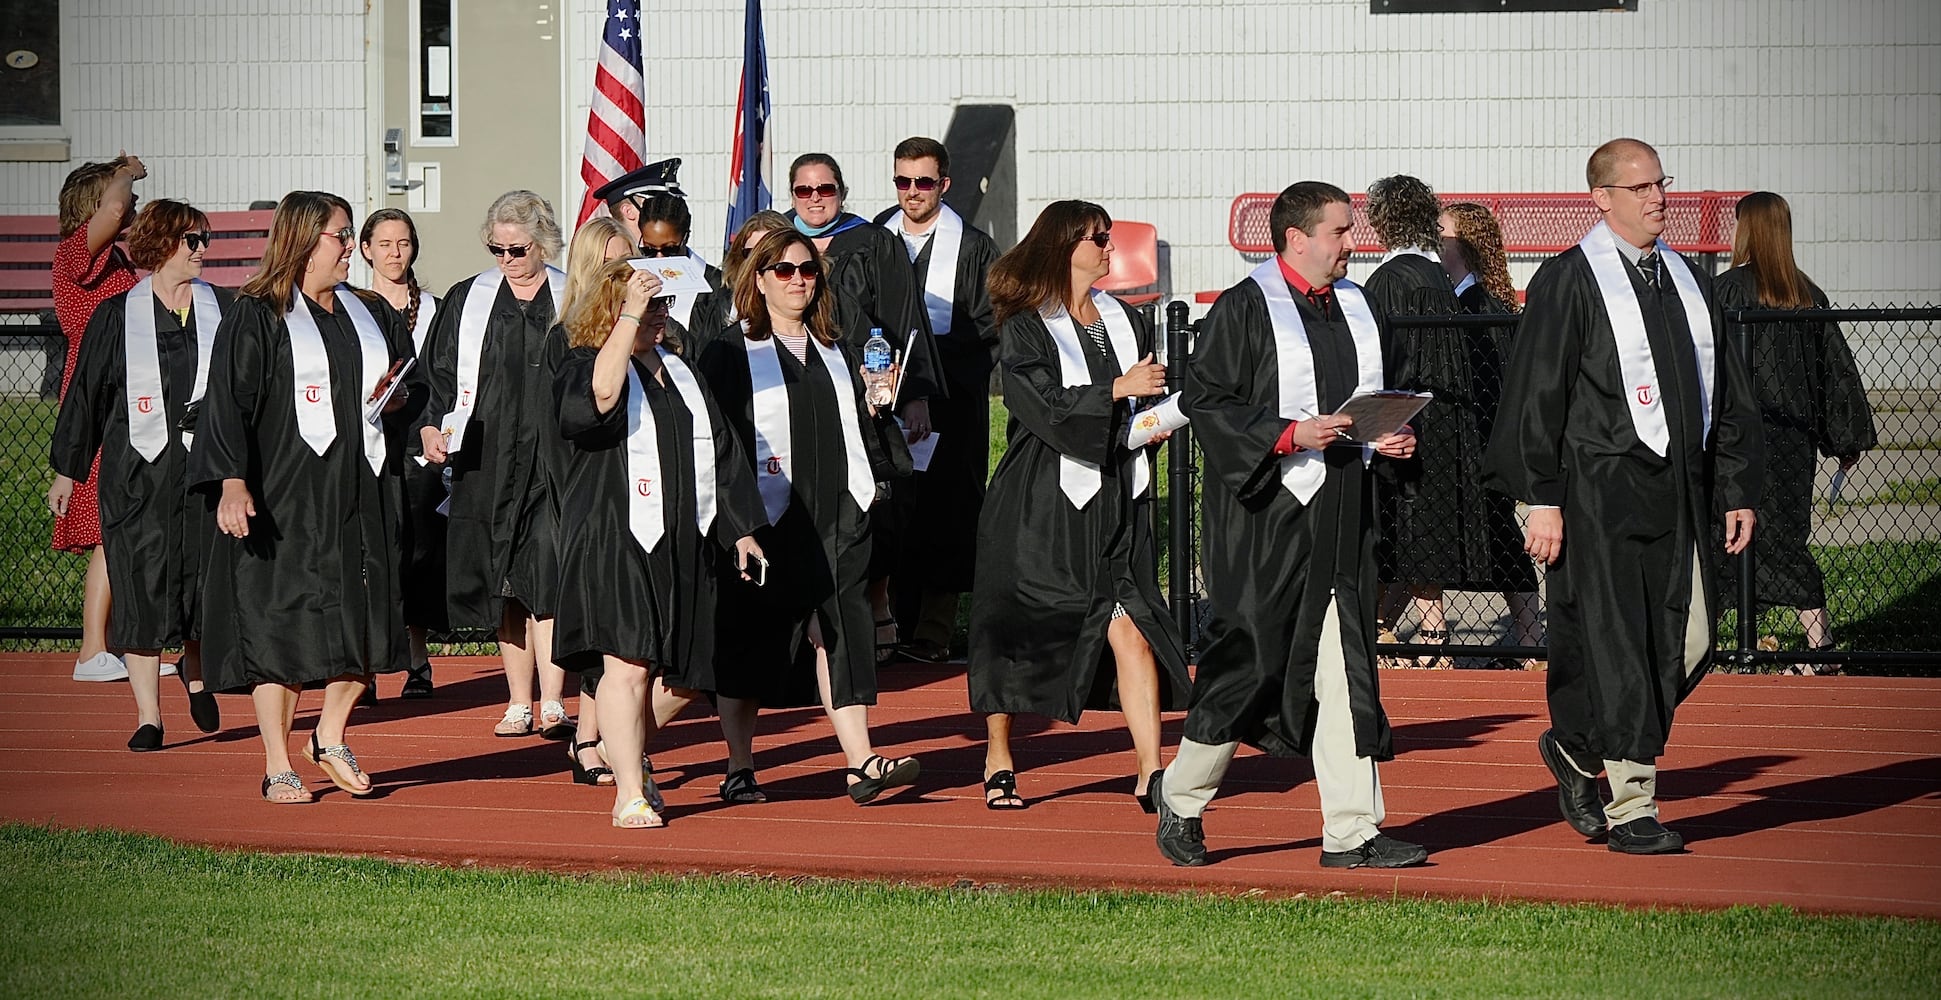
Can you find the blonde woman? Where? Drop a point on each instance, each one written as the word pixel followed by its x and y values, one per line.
pixel 490 421
pixel 301 586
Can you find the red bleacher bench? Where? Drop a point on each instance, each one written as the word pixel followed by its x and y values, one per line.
pixel 27 245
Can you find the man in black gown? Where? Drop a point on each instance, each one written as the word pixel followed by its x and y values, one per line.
pixel 940 542
pixel 1622 416
pixel 1290 537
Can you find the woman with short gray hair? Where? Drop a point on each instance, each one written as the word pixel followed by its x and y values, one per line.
pixel 490 421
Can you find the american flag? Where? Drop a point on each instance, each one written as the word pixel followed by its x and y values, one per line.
pixel 616 124
pixel 747 194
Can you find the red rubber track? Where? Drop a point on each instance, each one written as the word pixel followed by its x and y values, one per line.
pixel 1822 794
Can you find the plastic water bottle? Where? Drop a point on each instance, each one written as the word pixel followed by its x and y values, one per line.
pixel 878 356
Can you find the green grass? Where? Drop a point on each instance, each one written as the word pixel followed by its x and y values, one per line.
pixel 1906 491
pixel 108 914
pixel 42 587
pixel 1880 596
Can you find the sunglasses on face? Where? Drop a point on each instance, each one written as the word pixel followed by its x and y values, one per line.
pixel 807 191
pixel 920 183
pixel 670 250
pixel 514 252
pixel 1100 240
pixel 787 270
pixel 344 235
pixel 197 240
pixel 660 303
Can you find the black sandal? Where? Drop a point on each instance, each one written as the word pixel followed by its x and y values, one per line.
pixel 1005 783
pixel 584 775
pixel 1145 798
pixel 890 774
pixel 886 651
pixel 740 788
pixel 417 682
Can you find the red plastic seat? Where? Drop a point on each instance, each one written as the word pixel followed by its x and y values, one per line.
pixel 1135 262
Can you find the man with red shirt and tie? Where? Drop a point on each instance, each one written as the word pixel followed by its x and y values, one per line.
pixel 1289 537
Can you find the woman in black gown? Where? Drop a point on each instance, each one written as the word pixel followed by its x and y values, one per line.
pixel 794 396
pixel 1811 398
pixel 137 383
pixel 1067 565
pixel 302 588
pixel 654 490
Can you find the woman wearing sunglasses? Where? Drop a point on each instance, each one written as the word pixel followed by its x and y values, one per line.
pixel 665 227
pixel 389 244
pixel 137 383
pixel 490 420
pixel 656 493
pixel 801 636
pixel 870 273
pixel 301 434
pixel 1067 570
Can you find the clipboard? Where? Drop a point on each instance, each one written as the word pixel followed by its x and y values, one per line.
pixel 1379 413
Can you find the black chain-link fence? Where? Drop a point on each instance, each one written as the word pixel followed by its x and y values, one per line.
pixel 40 589
pixel 1872 533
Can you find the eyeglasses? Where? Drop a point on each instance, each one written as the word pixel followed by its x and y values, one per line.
pixel 197 240
pixel 920 183
pixel 660 303
pixel 514 252
pixel 1100 240
pixel 344 235
pixel 807 191
pixel 1663 184
pixel 670 250
pixel 787 270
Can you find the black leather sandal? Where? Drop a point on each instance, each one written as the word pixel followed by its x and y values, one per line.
pixel 417 682
pixel 1005 783
pixel 890 774
pixel 584 775
pixel 740 788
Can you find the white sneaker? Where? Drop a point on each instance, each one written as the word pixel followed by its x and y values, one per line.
pixel 168 670
pixel 101 667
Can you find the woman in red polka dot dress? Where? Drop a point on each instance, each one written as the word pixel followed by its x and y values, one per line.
pixel 97 203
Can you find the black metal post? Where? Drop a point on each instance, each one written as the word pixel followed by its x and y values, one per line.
pixel 1179 544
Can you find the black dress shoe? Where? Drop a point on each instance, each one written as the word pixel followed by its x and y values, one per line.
pixel 146 738
pixel 1379 851
pixel 1577 796
pixel 1180 838
pixel 369 698
pixel 202 706
pixel 1645 835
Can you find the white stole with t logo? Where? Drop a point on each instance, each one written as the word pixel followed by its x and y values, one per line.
pixel 1635 360
pixel 147 416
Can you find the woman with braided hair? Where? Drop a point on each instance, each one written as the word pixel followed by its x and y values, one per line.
pixel 389 243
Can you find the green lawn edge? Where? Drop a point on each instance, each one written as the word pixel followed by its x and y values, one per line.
pixel 103 913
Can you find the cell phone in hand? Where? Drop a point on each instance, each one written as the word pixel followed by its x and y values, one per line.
pixel 761 571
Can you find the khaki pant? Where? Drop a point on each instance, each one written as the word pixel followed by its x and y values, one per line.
pixel 1351 790
pixel 1634 784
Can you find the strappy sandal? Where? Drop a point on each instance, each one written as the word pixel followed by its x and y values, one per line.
pixel 1432 637
pixel 889 774
pixel 417 682
pixel 1005 784
pixel 599 774
pixel 639 815
pixel 517 721
pixel 740 788
pixel 340 754
pixel 554 723
pixel 290 779
pixel 885 651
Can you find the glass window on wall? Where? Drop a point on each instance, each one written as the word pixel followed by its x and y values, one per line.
pixel 435 119
pixel 30 63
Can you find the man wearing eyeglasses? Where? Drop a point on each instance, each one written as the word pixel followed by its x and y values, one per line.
pixel 1624 417
pixel 949 259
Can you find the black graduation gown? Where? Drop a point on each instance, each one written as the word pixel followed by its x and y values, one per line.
pixel 615 598
pixel 423 565
pixel 1440 535
pixel 939 551
pixel 501 538
pixel 1511 569
pixel 1811 398
pixel 1270 561
pixel 1049 574
pixel 819 552
pixel 313 592
pixel 1619 595
pixel 155 532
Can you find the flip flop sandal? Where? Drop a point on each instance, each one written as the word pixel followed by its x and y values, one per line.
pixel 891 774
pixel 286 778
pixel 639 815
pixel 1005 783
pixel 740 788
pixel 338 755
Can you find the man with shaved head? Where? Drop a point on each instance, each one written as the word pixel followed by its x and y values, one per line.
pixel 1623 418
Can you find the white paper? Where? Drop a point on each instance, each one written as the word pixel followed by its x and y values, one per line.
pixel 438 71
pixel 677 274
pixel 1153 421
pixel 922 451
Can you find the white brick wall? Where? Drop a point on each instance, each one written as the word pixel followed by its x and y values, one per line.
pixel 226 101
